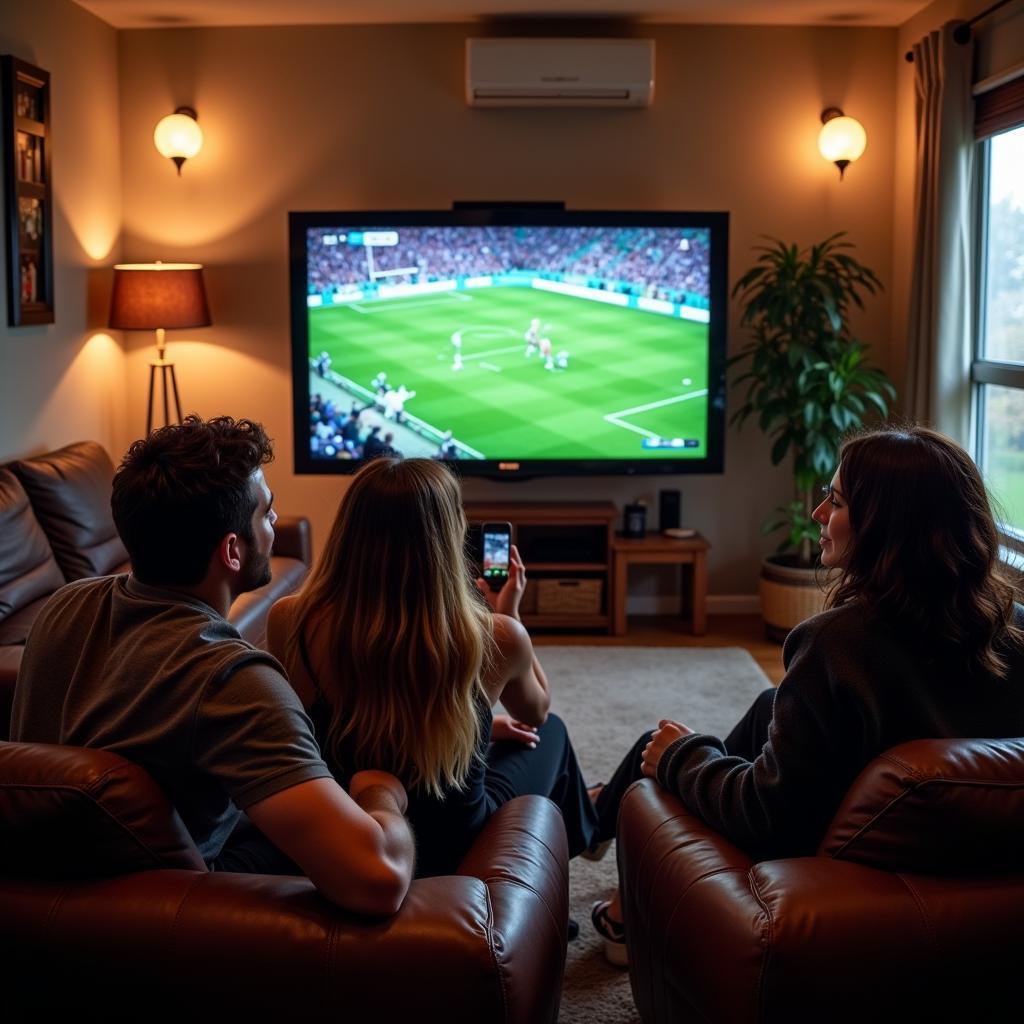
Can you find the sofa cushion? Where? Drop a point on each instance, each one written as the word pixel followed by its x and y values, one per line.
pixel 28 570
pixel 71 812
pixel 950 807
pixel 70 493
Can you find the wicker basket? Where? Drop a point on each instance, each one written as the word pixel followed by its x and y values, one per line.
pixel 788 596
pixel 572 596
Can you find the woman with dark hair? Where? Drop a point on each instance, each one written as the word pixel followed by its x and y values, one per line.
pixel 398 659
pixel 921 639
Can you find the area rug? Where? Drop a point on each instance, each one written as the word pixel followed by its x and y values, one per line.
pixel 608 696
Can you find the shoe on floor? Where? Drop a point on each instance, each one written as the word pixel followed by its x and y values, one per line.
pixel 613 933
pixel 596 852
pixel 573 929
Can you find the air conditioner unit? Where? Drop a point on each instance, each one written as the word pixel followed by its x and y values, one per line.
pixel 559 72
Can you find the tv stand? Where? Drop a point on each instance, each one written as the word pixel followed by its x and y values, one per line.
pixel 568 545
pixel 661 550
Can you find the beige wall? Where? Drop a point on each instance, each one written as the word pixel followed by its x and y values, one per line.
pixel 373 117
pixel 65 381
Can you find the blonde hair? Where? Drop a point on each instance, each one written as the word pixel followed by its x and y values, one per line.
pixel 408 633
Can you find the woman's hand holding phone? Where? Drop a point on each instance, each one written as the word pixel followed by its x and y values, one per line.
pixel 506 601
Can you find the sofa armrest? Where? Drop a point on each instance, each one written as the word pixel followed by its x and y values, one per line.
pixel 461 949
pixel 673 872
pixel 522 856
pixel 293 538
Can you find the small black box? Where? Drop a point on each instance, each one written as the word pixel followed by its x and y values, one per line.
pixel 669 509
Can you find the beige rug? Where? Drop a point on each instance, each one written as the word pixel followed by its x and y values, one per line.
pixel 607 697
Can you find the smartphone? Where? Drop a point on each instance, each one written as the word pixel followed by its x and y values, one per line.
pixel 496 541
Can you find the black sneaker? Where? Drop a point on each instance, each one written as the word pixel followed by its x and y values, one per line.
pixel 613 933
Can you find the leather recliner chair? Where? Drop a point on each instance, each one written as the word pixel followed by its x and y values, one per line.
pixel 107 911
pixel 912 906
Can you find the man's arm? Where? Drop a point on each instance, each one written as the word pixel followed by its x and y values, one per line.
pixel 357 850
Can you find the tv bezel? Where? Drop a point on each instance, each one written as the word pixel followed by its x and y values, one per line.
pixel 511 215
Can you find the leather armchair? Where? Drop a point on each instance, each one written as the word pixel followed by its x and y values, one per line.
pixel 106 910
pixel 912 905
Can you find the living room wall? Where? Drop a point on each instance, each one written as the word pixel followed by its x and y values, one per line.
pixel 64 381
pixel 374 117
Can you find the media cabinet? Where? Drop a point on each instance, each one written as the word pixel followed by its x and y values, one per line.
pixel 560 541
pixel 573 558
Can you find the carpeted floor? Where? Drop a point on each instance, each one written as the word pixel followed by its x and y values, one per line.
pixel 607 697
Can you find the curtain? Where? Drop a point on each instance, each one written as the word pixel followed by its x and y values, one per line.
pixel 938 385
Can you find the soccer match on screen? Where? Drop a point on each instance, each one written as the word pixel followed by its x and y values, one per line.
pixel 509 342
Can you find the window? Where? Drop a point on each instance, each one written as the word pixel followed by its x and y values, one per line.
pixel 999 364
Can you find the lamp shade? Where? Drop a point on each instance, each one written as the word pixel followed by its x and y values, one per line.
pixel 149 296
pixel 842 138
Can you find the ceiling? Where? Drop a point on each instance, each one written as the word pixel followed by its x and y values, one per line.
pixel 210 13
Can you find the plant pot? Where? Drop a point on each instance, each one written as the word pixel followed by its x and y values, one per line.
pixel 789 594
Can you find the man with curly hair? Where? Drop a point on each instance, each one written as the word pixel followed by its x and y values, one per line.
pixel 147 665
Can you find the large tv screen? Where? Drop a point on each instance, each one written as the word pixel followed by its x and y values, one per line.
pixel 512 341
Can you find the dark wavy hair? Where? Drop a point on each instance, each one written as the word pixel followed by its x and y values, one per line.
pixel 924 550
pixel 178 492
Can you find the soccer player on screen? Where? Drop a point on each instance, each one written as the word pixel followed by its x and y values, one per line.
pixel 532 337
pixel 456 352
pixel 545 351
pixel 394 403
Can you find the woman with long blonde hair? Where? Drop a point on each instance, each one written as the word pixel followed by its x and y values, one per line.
pixel 399 660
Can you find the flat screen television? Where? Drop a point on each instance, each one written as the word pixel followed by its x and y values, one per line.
pixel 513 341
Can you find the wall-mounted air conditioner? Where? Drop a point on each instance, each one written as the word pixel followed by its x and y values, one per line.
pixel 559 72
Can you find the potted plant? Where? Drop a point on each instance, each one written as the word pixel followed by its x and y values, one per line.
pixel 808 383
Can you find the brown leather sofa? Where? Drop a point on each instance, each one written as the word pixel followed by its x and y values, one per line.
pixel 107 912
pixel 911 909
pixel 56 526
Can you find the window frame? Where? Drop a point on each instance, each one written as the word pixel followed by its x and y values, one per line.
pixel 989 371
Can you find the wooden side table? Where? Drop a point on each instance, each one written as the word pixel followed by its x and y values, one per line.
pixel 658 550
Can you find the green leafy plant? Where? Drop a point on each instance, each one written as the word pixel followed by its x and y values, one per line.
pixel 807 378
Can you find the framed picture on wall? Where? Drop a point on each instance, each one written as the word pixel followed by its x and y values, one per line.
pixel 28 215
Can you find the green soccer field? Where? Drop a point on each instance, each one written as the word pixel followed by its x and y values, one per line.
pixel 631 374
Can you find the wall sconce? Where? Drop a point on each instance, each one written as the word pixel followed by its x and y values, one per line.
pixel 178 136
pixel 155 297
pixel 842 139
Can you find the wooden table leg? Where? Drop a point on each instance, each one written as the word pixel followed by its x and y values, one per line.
pixel 621 574
pixel 700 590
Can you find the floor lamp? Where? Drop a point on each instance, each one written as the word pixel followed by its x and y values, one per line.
pixel 159 297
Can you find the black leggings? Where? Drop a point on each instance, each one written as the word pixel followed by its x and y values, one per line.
pixel 746 740
pixel 550 770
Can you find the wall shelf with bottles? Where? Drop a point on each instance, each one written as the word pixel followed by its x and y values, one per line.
pixel 29 208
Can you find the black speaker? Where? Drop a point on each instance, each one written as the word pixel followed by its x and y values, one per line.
pixel 669 509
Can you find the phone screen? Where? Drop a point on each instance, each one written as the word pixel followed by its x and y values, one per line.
pixel 497 540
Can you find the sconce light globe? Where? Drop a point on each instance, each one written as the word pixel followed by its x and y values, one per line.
pixel 178 136
pixel 842 138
